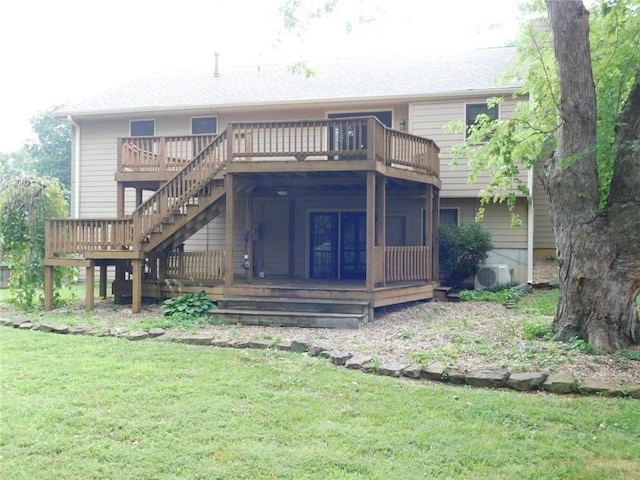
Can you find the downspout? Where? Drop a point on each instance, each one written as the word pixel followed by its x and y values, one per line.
pixel 76 171
pixel 530 226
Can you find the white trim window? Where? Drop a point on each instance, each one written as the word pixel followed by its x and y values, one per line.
pixel 474 110
pixel 204 125
pixel 142 128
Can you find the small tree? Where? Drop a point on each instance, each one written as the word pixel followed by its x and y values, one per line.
pixel 25 202
pixel 463 248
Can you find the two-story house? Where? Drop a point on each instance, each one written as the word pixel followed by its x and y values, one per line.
pixel 254 182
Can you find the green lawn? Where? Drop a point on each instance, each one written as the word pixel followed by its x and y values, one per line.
pixel 106 408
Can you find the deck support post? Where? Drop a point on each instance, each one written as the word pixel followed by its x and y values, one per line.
pixel 231 198
pixel 428 229
pixel 119 277
pixel 138 197
pixel 248 235
pixel 435 255
pixel 103 282
pixel 120 200
pixel 90 285
pixel 48 287
pixel 136 287
pixel 292 235
pixel 381 214
pixel 371 230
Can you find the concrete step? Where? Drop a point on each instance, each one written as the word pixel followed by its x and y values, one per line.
pixel 274 318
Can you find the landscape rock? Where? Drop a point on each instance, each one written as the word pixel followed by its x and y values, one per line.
pixel 238 344
pixel 167 337
pixel 592 386
pixel 561 382
pixel 27 325
pixel 284 346
pixel 487 378
pixel 370 367
pixel 44 327
pixel 16 322
pixel 194 339
pixel 118 331
pixel 632 390
pixel 413 371
pixel 220 342
pixel 80 330
pixel 454 376
pixel 526 381
pixel 261 343
pixel 156 332
pixel 7 322
pixel 392 368
pixel 299 347
pixel 316 350
pixel 434 372
pixel 358 361
pixel 62 329
pixel 339 358
pixel 138 335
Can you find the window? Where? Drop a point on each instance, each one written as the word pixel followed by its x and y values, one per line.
pixel 204 125
pixel 449 216
pixel 475 109
pixel 143 128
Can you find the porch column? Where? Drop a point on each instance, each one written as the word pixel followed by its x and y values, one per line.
pixel 103 281
pixel 136 287
pixel 231 198
pixel 248 234
pixel 90 285
pixel 428 229
pixel 371 229
pixel 138 197
pixel 381 211
pixel 436 234
pixel 119 278
pixel 292 236
pixel 48 287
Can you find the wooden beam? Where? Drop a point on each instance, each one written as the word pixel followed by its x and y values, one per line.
pixel 248 225
pixel 138 197
pixel 229 185
pixel 119 277
pixel 381 215
pixel 120 200
pixel 436 235
pixel 292 236
pixel 90 286
pixel 371 229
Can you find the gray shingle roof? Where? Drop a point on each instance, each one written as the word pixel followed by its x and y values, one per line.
pixel 349 79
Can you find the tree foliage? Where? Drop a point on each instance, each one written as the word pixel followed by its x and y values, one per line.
pixel 25 202
pixel 51 153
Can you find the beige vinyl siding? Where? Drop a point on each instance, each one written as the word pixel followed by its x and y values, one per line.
pixel 543 237
pixel 428 118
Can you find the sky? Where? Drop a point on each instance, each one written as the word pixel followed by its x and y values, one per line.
pixel 52 52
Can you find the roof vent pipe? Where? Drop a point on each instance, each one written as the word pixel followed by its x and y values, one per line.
pixel 216 73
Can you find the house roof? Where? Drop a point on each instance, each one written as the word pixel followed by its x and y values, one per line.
pixel 337 80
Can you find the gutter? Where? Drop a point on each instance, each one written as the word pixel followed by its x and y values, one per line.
pixel 76 170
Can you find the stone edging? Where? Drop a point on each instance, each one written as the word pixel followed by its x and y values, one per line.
pixel 559 383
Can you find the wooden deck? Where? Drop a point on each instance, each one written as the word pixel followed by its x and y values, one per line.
pixel 195 178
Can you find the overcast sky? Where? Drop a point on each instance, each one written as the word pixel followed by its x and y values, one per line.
pixel 53 51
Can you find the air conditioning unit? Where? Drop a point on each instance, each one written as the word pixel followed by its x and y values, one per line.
pixel 492 276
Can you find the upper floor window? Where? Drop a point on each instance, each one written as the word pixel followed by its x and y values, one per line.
pixel 204 125
pixel 143 128
pixel 473 110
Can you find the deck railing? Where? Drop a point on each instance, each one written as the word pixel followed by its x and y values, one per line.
pixel 206 265
pixel 159 154
pixel 181 191
pixel 355 138
pixel 66 236
pixel 406 264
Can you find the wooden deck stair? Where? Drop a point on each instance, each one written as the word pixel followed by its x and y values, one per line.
pixel 291 312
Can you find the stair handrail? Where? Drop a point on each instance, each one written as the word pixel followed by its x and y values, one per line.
pixel 181 189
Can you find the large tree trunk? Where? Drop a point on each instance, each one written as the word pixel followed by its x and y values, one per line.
pixel 598 250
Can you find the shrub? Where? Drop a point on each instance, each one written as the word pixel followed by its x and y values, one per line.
pixel 498 295
pixel 538 329
pixel 463 248
pixel 187 308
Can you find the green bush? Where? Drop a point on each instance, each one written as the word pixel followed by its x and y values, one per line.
pixel 187 308
pixel 463 248
pixel 500 295
pixel 538 329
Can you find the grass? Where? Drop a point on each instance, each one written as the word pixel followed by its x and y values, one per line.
pixel 106 408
